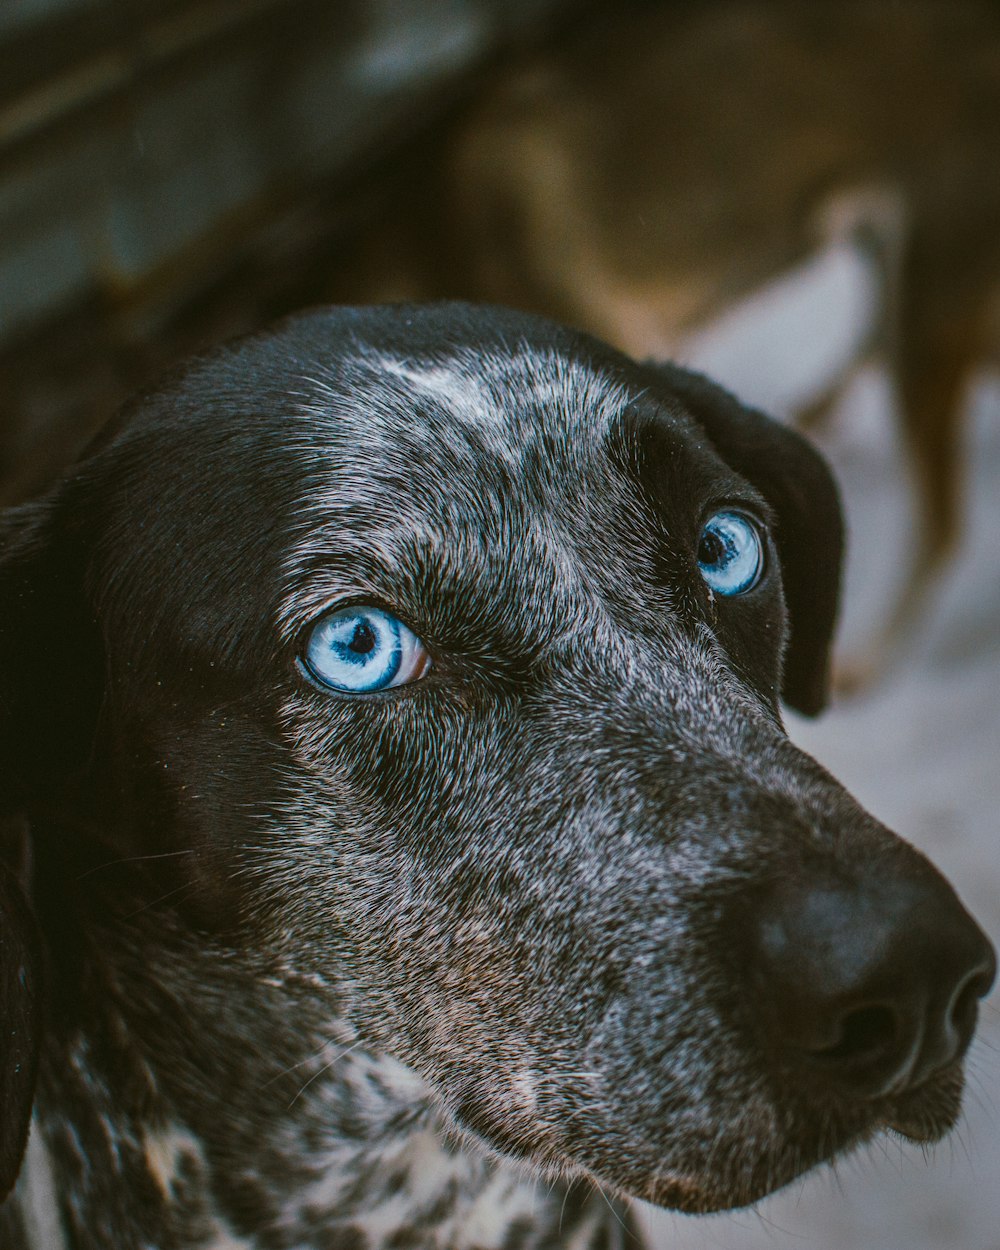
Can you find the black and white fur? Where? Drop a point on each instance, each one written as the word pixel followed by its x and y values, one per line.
pixel 465 963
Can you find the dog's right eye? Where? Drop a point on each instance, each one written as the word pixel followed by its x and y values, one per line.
pixel 362 649
pixel 730 553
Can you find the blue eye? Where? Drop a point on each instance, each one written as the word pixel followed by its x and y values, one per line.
pixel 363 649
pixel 730 553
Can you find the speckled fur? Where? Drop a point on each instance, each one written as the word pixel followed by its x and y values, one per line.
pixel 445 966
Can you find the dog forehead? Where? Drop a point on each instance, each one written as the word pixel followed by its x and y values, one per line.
pixel 398 442
pixel 460 451
pixel 482 400
pixel 453 467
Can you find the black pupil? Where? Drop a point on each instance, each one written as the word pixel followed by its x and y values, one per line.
pixel 711 549
pixel 364 639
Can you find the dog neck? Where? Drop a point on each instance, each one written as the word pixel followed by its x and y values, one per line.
pixel 248 1117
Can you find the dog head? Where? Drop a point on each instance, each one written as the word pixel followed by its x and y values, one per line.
pixel 440 651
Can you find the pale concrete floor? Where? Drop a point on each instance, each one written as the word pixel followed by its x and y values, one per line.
pixel 922 751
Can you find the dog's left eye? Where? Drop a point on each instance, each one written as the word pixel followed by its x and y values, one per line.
pixel 363 649
pixel 730 553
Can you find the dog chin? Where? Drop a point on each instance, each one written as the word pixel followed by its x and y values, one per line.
pixel 928 1113
pixel 924 1115
pixel 694 1195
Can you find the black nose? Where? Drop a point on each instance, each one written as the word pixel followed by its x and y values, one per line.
pixel 870 986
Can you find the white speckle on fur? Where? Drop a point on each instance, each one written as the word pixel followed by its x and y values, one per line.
pixel 525 1091
pixel 114 1144
pixel 164 1152
pixel 224 1240
pixel 503 1202
pixel 36 1189
pixel 429 1170
pixel 455 390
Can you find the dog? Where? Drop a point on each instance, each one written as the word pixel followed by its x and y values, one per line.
pixel 402 844
pixel 656 171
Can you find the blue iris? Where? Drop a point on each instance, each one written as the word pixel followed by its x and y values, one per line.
pixel 730 553
pixel 363 649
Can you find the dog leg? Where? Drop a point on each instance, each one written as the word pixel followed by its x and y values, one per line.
pixel 942 342
pixel 943 309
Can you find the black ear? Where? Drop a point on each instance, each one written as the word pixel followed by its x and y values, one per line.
pixel 51 675
pixel 20 999
pixel 796 482
pixel 51 671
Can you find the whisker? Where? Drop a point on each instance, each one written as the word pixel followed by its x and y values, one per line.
pixel 301 1064
pixel 323 1070
pixel 132 859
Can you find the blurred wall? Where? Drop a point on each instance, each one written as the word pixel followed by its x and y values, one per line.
pixel 133 131
pixel 151 150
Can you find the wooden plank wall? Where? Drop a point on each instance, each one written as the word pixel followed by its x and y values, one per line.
pixel 154 152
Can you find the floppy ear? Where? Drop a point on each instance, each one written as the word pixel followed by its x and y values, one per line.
pixel 50 678
pixel 20 995
pixel 796 482
pixel 50 667
pixel 41 648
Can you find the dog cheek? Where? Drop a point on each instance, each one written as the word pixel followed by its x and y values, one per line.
pixel 483 974
pixel 504 1007
pixel 754 634
pixel 499 1076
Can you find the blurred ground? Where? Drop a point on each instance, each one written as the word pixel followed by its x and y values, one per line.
pixel 922 752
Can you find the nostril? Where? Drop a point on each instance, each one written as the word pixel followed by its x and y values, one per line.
pixel 865 1035
pixel 965 1005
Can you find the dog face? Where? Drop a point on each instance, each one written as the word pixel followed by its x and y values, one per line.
pixel 437 653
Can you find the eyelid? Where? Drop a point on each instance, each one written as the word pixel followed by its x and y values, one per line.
pixel 756 510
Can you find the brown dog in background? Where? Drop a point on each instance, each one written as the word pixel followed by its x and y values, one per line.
pixel 640 179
